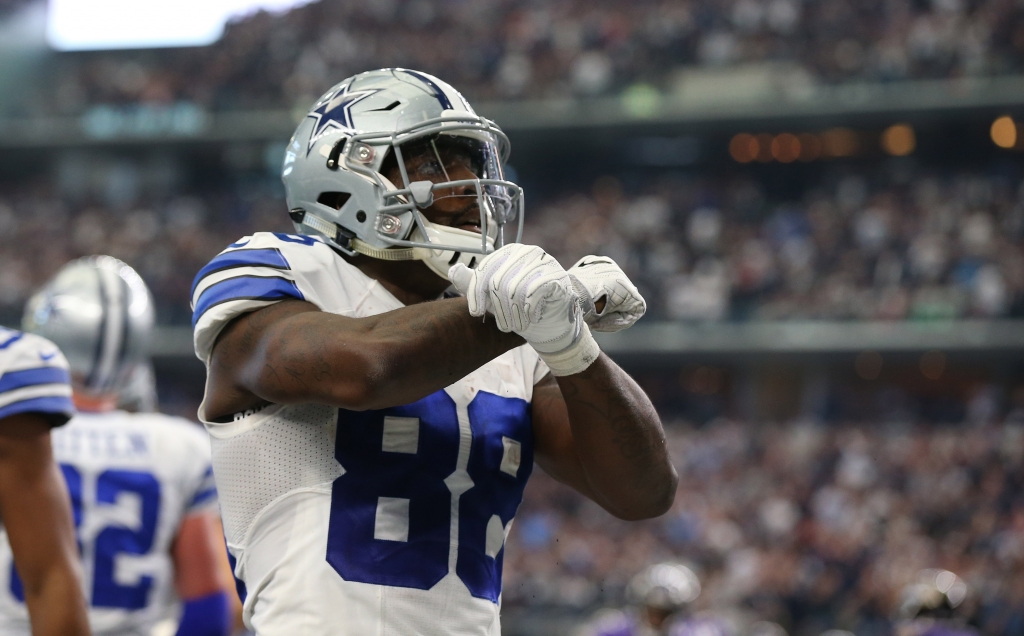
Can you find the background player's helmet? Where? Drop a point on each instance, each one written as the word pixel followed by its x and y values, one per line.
pixel 138 395
pixel 935 594
pixel 665 586
pixel 100 313
pixel 335 187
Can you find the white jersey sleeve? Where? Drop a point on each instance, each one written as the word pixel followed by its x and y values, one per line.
pixel 255 272
pixel 34 377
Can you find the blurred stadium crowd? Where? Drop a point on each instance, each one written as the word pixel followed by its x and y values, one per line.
pixel 811 527
pixel 502 49
pixel 859 245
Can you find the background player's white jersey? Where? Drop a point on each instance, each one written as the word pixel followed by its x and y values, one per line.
pixel 387 522
pixel 33 377
pixel 132 478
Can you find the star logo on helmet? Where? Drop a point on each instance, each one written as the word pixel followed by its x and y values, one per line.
pixel 334 112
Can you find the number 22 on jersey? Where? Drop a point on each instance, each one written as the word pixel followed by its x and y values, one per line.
pixel 112 540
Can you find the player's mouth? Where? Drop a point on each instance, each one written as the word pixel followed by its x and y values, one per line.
pixel 468 220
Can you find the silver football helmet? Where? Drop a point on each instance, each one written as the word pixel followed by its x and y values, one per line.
pixel 138 395
pixel 378 122
pixel 665 586
pixel 100 313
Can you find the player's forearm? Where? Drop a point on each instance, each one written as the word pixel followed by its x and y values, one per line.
pixel 56 607
pixel 36 511
pixel 619 440
pixel 386 360
pixel 47 558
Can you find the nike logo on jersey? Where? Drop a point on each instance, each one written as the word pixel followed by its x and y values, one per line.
pixel 46 357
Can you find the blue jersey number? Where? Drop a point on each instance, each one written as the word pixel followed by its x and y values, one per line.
pixel 414 483
pixel 113 540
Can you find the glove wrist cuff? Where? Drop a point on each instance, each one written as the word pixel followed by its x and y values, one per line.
pixel 575 358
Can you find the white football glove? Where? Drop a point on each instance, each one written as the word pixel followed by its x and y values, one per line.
pixel 529 293
pixel 595 277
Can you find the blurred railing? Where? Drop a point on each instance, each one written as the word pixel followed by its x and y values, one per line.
pixel 992 337
pixel 762 93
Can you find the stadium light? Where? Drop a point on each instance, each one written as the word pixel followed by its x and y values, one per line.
pixel 82 25
pixel 1004 132
pixel 899 140
pixel 743 148
pixel 786 148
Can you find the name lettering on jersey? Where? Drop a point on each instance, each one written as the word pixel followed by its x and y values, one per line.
pixel 105 444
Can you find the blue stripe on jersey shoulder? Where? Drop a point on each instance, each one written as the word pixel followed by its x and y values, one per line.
pixel 203 496
pixel 30 377
pixel 244 288
pixel 48 404
pixel 12 339
pixel 249 257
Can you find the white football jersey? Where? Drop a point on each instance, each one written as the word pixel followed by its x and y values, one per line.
pixel 344 523
pixel 34 377
pixel 132 478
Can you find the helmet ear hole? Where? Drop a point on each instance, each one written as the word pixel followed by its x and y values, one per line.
pixel 334 200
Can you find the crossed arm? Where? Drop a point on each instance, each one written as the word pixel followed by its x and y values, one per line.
pixel 37 514
pixel 595 431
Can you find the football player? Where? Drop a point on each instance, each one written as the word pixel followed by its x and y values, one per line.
pixel 141 484
pixel 35 396
pixel 371 434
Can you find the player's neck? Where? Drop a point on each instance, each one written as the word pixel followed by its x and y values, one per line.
pixel 411 282
pixel 88 403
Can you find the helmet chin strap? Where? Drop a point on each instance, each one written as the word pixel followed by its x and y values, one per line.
pixel 437 260
pixel 384 254
pixel 440 261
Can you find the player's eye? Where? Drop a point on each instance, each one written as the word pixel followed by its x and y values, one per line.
pixel 428 168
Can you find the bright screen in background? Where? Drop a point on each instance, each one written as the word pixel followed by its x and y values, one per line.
pixel 80 25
